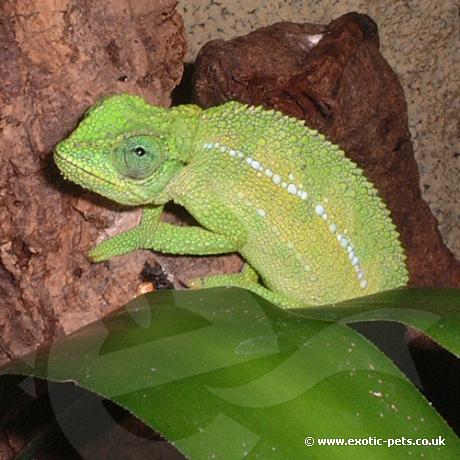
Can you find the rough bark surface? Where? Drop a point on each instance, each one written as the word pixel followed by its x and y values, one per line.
pixel 58 58
pixel 342 86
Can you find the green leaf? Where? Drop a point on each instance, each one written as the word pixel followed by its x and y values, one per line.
pixel 435 312
pixel 223 374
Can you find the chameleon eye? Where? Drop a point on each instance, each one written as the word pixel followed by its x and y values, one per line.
pixel 140 151
pixel 138 157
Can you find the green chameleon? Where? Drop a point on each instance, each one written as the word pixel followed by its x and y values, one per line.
pixel 310 227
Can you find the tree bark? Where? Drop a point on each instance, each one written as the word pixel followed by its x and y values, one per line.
pixel 58 58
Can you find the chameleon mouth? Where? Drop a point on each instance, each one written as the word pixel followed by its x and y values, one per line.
pixel 90 181
pixel 70 171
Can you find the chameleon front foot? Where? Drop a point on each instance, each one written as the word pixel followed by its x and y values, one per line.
pixel 116 246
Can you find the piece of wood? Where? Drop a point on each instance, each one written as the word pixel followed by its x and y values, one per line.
pixel 334 77
pixel 58 58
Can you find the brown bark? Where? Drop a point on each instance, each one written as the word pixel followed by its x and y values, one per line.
pixel 58 58
pixel 343 87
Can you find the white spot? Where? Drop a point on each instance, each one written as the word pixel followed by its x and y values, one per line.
pixel 324 216
pixel 276 179
pixel 255 165
pixel 315 39
pixel 261 212
pixel 233 153
pixel 223 149
pixel 363 284
pixel 284 184
pixel 216 144
pixel 344 243
pixel 351 254
pixel 240 155
pixel 303 195
pixel 377 393
pixel 339 237
pixel 350 248
pixel 249 160
pixel 307 268
pixel 360 274
pixel 355 261
pixel 332 228
pixel 268 172
pixel 291 176
pixel 319 210
pixel 292 189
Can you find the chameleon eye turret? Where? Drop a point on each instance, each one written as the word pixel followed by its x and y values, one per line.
pixel 138 157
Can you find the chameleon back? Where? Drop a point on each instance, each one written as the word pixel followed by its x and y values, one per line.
pixel 317 230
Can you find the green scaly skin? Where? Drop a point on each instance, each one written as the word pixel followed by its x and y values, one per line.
pixel 308 223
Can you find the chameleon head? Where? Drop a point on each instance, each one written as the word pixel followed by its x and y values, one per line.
pixel 120 151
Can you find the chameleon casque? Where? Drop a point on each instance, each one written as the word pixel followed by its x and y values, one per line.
pixel 310 226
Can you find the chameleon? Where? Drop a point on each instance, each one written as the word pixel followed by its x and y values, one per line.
pixel 310 226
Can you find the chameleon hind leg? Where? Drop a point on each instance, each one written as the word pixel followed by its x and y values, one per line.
pixel 247 279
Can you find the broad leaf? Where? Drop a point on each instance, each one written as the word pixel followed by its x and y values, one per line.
pixel 223 374
pixel 435 312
